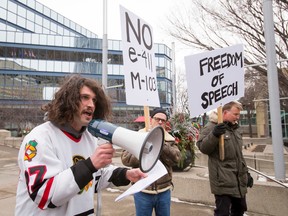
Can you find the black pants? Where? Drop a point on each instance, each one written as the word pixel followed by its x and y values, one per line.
pixel 229 206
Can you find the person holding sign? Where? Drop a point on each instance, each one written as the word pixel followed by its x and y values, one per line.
pixel 158 195
pixel 61 165
pixel 228 177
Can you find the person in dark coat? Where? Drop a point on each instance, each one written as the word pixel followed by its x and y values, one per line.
pixel 228 178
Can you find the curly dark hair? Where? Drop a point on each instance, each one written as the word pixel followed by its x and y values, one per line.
pixel 67 100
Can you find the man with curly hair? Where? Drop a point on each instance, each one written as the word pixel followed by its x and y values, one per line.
pixel 61 165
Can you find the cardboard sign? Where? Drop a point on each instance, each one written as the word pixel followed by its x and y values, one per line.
pixel 139 61
pixel 214 78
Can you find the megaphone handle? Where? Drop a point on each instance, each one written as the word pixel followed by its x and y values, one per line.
pixel 101 141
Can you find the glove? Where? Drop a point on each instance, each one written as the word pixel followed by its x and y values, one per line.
pixel 250 180
pixel 219 129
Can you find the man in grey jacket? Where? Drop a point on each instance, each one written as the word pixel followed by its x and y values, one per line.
pixel 228 178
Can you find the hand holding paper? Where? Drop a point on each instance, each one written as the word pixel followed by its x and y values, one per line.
pixel 157 172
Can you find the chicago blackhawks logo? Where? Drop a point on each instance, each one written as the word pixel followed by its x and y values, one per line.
pixel 77 158
pixel 30 150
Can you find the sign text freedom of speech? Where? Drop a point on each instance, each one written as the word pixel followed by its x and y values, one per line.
pixel 214 78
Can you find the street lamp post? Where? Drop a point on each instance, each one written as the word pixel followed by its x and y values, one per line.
pixel 274 100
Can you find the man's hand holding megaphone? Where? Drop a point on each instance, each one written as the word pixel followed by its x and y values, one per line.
pixel 102 156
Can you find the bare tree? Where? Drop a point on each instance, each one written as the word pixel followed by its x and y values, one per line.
pixel 182 94
pixel 209 25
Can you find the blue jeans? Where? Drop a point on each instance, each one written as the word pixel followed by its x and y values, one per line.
pixel 145 203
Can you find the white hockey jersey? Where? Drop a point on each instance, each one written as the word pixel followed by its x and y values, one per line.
pixel 49 181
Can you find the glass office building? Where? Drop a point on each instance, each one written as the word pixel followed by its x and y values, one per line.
pixel 38 46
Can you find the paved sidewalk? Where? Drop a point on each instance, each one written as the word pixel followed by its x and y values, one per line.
pixel 269 150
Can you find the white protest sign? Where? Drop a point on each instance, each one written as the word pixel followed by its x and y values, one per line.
pixel 138 57
pixel 214 78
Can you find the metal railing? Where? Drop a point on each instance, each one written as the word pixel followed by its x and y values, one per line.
pixel 256 163
pixel 266 176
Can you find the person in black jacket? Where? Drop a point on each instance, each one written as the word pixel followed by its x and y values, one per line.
pixel 228 178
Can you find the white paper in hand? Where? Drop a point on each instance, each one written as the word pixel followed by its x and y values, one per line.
pixel 157 172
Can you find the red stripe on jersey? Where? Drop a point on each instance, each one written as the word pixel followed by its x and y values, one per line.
pixel 46 193
pixel 71 137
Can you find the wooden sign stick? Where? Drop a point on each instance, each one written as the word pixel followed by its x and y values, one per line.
pixel 147 118
pixel 221 140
